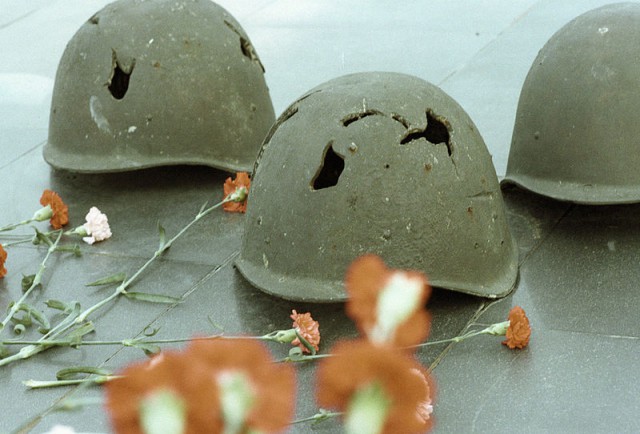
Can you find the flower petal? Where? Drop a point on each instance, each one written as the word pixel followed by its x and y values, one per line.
pixel 230 186
pixel 358 364
pixel 3 259
pixel 308 328
pixel 519 330
pixel 387 305
pixel 60 215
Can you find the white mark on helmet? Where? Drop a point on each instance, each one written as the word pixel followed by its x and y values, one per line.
pixel 265 261
pixel 611 245
pixel 603 30
pixel 132 129
pixel 602 72
pixel 95 107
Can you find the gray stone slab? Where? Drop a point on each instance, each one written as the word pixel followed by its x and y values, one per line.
pixel 16 142
pixel 303 44
pixel 134 202
pixel 488 86
pixel 581 278
pixel 122 319
pixel 563 382
pixel 531 218
pixel 578 264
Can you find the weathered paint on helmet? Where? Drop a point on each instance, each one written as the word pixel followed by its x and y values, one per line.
pixel 380 163
pixel 163 82
pixel 577 129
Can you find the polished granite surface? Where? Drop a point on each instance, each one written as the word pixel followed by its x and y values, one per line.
pixel 578 264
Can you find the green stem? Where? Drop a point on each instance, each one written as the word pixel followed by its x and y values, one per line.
pixel 497 329
pixel 318 417
pixel 455 339
pixel 50 339
pixel 15 225
pixel 36 282
pixel 24 353
pixel 21 239
pixel 14 243
pixel 129 342
pixel 35 384
pixel 304 358
pixel 124 285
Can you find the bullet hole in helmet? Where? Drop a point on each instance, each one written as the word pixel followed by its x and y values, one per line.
pixel 399 118
pixel 287 114
pixel 330 171
pixel 118 83
pixel 436 131
pixel 95 19
pixel 352 117
pixel 245 46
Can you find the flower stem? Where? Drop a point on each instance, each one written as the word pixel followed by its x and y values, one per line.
pixel 124 285
pixel 318 417
pixel 304 358
pixel 21 239
pixel 14 243
pixel 50 339
pixel 36 281
pixel 129 342
pixel 24 353
pixel 35 384
pixel 497 329
pixel 16 225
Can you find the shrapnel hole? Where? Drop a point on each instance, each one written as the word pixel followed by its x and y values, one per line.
pixel 352 117
pixel 119 80
pixel 330 171
pixel 399 118
pixel 245 46
pixel 435 132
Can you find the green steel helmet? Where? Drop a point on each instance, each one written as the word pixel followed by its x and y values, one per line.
pixel 381 163
pixel 576 134
pixel 153 83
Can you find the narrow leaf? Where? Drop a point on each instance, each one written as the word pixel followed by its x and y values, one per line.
pixel 75 249
pixel 149 331
pixel 27 281
pixel 58 305
pixel 115 278
pixel 24 320
pixel 152 298
pixel 79 371
pixel 19 329
pixel 39 317
pixel 72 314
pixel 32 313
pixel 43 238
pixel 163 236
pixel 75 337
pixel 306 343
pixel 149 349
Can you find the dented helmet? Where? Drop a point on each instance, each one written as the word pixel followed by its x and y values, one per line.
pixel 577 135
pixel 380 163
pixel 153 83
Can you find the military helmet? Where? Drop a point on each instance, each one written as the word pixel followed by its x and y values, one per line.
pixel 163 82
pixel 577 135
pixel 381 163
